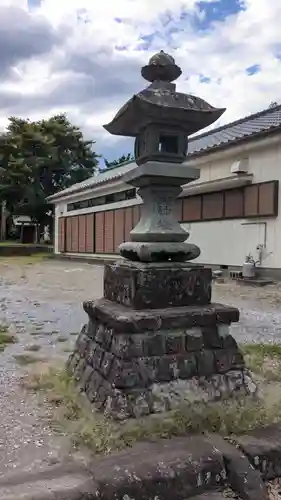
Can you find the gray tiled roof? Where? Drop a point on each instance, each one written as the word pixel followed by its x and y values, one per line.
pixel 264 122
pixel 108 175
pixel 259 123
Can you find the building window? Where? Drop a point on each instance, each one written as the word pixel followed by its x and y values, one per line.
pixel 128 194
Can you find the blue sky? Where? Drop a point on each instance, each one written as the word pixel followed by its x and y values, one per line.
pixel 84 57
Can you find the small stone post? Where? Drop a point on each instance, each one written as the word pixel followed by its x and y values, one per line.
pixel 155 341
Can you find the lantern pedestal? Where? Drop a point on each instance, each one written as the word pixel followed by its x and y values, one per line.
pixel 131 362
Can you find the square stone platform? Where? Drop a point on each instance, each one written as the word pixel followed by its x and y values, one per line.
pixel 150 286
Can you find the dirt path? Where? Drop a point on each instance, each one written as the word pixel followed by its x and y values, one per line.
pixel 42 304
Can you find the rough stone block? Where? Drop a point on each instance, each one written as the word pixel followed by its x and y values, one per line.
pixel 211 337
pixel 228 359
pixel 153 344
pixel 91 328
pixel 167 469
pixel 127 321
pixel 125 374
pixel 98 357
pixel 193 339
pixel 106 363
pixel 148 368
pixel 158 285
pixel 127 346
pixel 227 341
pixel 167 369
pixel 104 336
pixel 82 343
pixel 187 366
pixel 263 448
pixel 241 476
pixel 145 361
pixel 174 343
pixel 91 353
pixel 205 363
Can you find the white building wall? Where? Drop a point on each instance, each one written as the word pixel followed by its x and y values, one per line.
pixel 227 242
pixel 224 242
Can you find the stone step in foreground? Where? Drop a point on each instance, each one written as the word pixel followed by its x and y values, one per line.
pixel 193 467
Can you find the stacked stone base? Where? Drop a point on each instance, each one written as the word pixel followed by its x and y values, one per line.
pixel 133 363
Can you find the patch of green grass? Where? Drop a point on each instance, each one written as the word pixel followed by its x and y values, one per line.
pixel 27 359
pixel 33 348
pixel 24 260
pixel 270 350
pixel 263 359
pixel 6 338
pixel 101 435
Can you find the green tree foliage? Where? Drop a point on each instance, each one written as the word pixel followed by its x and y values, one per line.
pixel 122 159
pixel 38 159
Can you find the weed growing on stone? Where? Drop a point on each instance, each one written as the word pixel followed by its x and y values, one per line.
pixel 6 338
pixel 69 414
pixel 72 414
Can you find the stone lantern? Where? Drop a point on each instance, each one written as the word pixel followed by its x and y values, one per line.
pixel 160 118
pixel 155 341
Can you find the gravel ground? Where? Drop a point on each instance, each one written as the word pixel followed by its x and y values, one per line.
pixel 42 304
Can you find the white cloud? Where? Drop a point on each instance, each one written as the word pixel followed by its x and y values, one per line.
pixel 81 69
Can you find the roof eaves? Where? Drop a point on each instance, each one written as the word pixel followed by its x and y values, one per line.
pixel 78 189
pixel 63 194
pixel 236 122
pixel 238 140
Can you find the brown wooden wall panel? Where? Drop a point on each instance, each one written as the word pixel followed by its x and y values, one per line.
pixel 109 231
pixel 119 227
pixel 234 203
pixel 90 233
pixel 61 234
pixel 268 198
pixel 68 234
pixel 104 231
pixel 212 206
pixel 136 214
pixel 251 196
pixel 128 223
pixel 74 234
pixel 99 232
pixel 82 234
pixel 192 208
